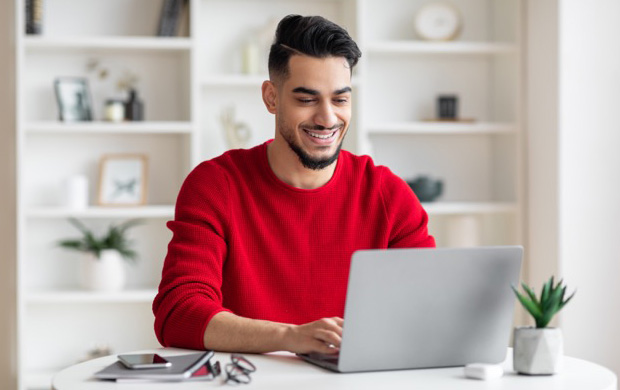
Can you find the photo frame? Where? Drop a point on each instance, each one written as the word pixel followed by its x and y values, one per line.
pixel 73 97
pixel 123 180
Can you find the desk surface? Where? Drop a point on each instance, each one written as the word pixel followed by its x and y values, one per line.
pixel 286 371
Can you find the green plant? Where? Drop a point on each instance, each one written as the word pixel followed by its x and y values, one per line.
pixel 550 302
pixel 115 238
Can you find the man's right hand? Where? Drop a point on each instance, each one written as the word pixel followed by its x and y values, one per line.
pixel 323 336
pixel 228 332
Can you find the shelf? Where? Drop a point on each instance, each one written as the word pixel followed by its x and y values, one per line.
pixel 417 47
pixel 234 80
pixel 444 128
pixel 459 208
pixel 162 211
pixel 55 127
pixel 81 296
pixel 239 80
pixel 109 43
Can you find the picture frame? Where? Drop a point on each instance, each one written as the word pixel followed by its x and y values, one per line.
pixel 73 97
pixel 123 180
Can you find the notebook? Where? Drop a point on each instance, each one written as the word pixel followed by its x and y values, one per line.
pixel 182 367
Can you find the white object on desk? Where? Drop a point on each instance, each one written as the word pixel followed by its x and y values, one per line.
pixel 484 371
pixel 285 371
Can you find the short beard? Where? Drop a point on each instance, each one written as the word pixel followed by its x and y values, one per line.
pixel 313 163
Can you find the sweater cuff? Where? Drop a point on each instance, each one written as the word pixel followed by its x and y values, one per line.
pixel 186 327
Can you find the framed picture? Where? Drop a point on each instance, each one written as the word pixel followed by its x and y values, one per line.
pixel 122 180
pixel 73 99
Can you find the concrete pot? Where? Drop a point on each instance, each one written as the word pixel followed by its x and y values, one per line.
pixel 104 274
pixel 538 351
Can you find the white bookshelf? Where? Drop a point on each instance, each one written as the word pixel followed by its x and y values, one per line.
pixel 101 127
pixel 234 80
pixel 469 208
pixel 108 43
pixel 409 47
pixel 186 82
pixel 80 296
pixel 438 128
pixel 154 211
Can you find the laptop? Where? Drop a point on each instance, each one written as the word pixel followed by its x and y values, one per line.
pixel 426 307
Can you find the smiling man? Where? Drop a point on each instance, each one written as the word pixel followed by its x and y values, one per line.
pixel 263 238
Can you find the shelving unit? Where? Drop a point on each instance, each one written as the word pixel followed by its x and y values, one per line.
pixel 80 296
pixel 59 322
pixel 409 47
pixel 56 127
pixel 108 43
pixel 154 211
pixel 186 83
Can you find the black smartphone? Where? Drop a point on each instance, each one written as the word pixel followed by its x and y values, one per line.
pixel 144 360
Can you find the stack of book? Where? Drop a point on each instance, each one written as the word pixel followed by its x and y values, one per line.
pixel 34 16
pixel 183 367
pixel 171 13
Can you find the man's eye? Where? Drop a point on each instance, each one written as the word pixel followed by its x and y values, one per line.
pixel 305 101
pixel 342 100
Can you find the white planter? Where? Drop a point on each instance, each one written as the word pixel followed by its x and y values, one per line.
pixel 538 351
pixel 106 273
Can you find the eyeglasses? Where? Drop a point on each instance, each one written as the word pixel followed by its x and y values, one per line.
pixel 237 372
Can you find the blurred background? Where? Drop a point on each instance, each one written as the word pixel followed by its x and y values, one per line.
pixel 501 116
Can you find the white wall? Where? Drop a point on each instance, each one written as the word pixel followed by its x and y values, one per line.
pixel 7 199
pixel 589 176
pixel 542 140
pixel 573 100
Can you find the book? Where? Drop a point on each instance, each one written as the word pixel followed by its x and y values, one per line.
pixel 34 16
pixel 183 367
pixel 169 18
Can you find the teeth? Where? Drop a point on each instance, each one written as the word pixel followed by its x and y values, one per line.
pixel 321 136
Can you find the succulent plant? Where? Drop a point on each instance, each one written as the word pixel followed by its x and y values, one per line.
pixel 550 302
pixel 114 239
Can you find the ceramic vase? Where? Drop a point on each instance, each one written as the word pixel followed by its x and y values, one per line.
pixel 103 274
pixel 538 351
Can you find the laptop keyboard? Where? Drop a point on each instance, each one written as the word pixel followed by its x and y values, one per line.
pixel 327 357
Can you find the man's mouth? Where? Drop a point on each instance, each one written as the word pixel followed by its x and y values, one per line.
pixel 321 134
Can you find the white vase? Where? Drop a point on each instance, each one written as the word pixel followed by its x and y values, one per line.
pixel 538 351
pixel 105 274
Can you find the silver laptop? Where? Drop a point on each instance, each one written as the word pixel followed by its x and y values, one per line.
pixel 422 308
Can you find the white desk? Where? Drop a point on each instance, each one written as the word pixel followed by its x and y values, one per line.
pixel 286 371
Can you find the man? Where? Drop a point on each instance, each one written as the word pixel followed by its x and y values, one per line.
pixel 262 238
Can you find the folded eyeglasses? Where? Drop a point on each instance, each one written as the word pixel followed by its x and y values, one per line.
pixel 237 371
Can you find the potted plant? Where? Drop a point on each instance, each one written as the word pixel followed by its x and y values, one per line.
pixel 103 269
pixel 539 350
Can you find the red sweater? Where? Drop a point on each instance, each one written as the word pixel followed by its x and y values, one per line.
pixel 246 242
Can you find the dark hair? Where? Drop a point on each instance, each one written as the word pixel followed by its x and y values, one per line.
pixel 313 36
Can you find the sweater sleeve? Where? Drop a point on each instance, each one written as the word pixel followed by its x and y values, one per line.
pixel 190 289
pixel 408 220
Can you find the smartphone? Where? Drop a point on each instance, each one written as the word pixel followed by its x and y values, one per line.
pixel 144 360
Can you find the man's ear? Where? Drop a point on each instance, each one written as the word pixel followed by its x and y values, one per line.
pixel 270 95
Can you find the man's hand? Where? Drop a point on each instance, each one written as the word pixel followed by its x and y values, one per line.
pixel 323 336
pixel 228 332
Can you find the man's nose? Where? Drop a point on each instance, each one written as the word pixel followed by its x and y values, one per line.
pixel 326 116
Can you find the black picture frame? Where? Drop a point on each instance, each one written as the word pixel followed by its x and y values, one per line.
pixel 73 97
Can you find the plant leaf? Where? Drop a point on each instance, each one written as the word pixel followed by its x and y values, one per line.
pixel 544 295
pixel 531 293
pixel 530 306
pixel 567 300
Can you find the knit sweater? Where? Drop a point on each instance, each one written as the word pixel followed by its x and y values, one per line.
pixel 246 242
